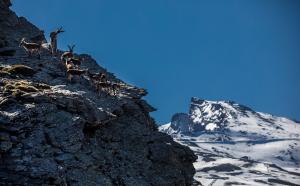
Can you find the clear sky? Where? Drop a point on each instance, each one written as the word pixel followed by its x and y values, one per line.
pixel 246 51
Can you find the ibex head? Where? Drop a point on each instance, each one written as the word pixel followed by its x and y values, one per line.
pixel 59 30
pixel 22 41
pixel 71 48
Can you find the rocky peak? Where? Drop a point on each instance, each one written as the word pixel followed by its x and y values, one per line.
pixel 208 116
pixel 54 131
pixel 229 137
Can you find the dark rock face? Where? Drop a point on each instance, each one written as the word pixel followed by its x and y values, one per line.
pixel 181 122
pixel 56 132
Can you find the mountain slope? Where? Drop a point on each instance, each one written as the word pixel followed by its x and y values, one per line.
pixel 59 132
pixel 236 145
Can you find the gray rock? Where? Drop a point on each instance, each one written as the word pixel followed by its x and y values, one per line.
pixel 56 132
pixel 5 146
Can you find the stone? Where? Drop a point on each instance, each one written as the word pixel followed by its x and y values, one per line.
pixel 57 132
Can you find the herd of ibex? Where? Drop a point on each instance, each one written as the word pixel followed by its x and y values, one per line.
pixel 72 64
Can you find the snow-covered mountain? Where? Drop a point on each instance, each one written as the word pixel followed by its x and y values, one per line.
pixel 238 146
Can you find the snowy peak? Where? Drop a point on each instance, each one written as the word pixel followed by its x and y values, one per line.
pixel 228 117
pixel 238 146
pixel 207 115
pixel 217 109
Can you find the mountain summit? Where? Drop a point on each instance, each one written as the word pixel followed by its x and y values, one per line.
pixel 223 118
pixel 236 144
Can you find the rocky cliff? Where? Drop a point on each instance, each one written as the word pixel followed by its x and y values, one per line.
pixel 59 132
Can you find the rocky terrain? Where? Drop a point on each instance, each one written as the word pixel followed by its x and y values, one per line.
pixel 237 146
pixel 59 132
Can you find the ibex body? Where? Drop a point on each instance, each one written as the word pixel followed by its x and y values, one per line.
pixel 109 87
pixel 31 47
pixel 69 65
pixel 115 88
pixel 76 62
pixel 99 77
pixel 103 86
pixel 100 83
pixel 72 71
pixel 53 40
pixel 96 81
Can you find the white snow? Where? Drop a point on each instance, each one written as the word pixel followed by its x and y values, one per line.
pixel 211 126
pixel 262 146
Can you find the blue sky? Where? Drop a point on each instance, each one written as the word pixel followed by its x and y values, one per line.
pixel 245 51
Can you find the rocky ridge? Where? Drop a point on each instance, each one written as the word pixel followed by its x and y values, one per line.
pixel 56 132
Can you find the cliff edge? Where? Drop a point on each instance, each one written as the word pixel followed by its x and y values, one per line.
pixel 59 132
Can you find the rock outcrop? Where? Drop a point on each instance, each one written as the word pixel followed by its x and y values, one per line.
pixel 57 132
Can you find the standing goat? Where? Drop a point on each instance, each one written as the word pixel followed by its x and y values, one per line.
pixel 103 86
pixel 67 54
pixel 75 61
pixel 53 39
pixel 109 87
pixel 100 77
pixel 71 71
pixel 115 88
pixel 31 47
pixel 97 81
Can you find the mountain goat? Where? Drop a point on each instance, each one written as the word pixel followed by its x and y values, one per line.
pixel 53 39
pixel 31 47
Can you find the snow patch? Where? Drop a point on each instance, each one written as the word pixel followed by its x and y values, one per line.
pixel 211 126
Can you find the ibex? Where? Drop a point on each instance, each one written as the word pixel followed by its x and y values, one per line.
pixel 53 39
pixel 115 88
pixel 101 84
pixel 31 47
pixel 69 65
pixel 96 81
pixel 68 54
pixel 76 62
pixel 74 72
pixel 110 87
pixel 100 77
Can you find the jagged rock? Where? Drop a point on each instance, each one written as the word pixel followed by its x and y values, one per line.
pixel 57 132
pixel 180 122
